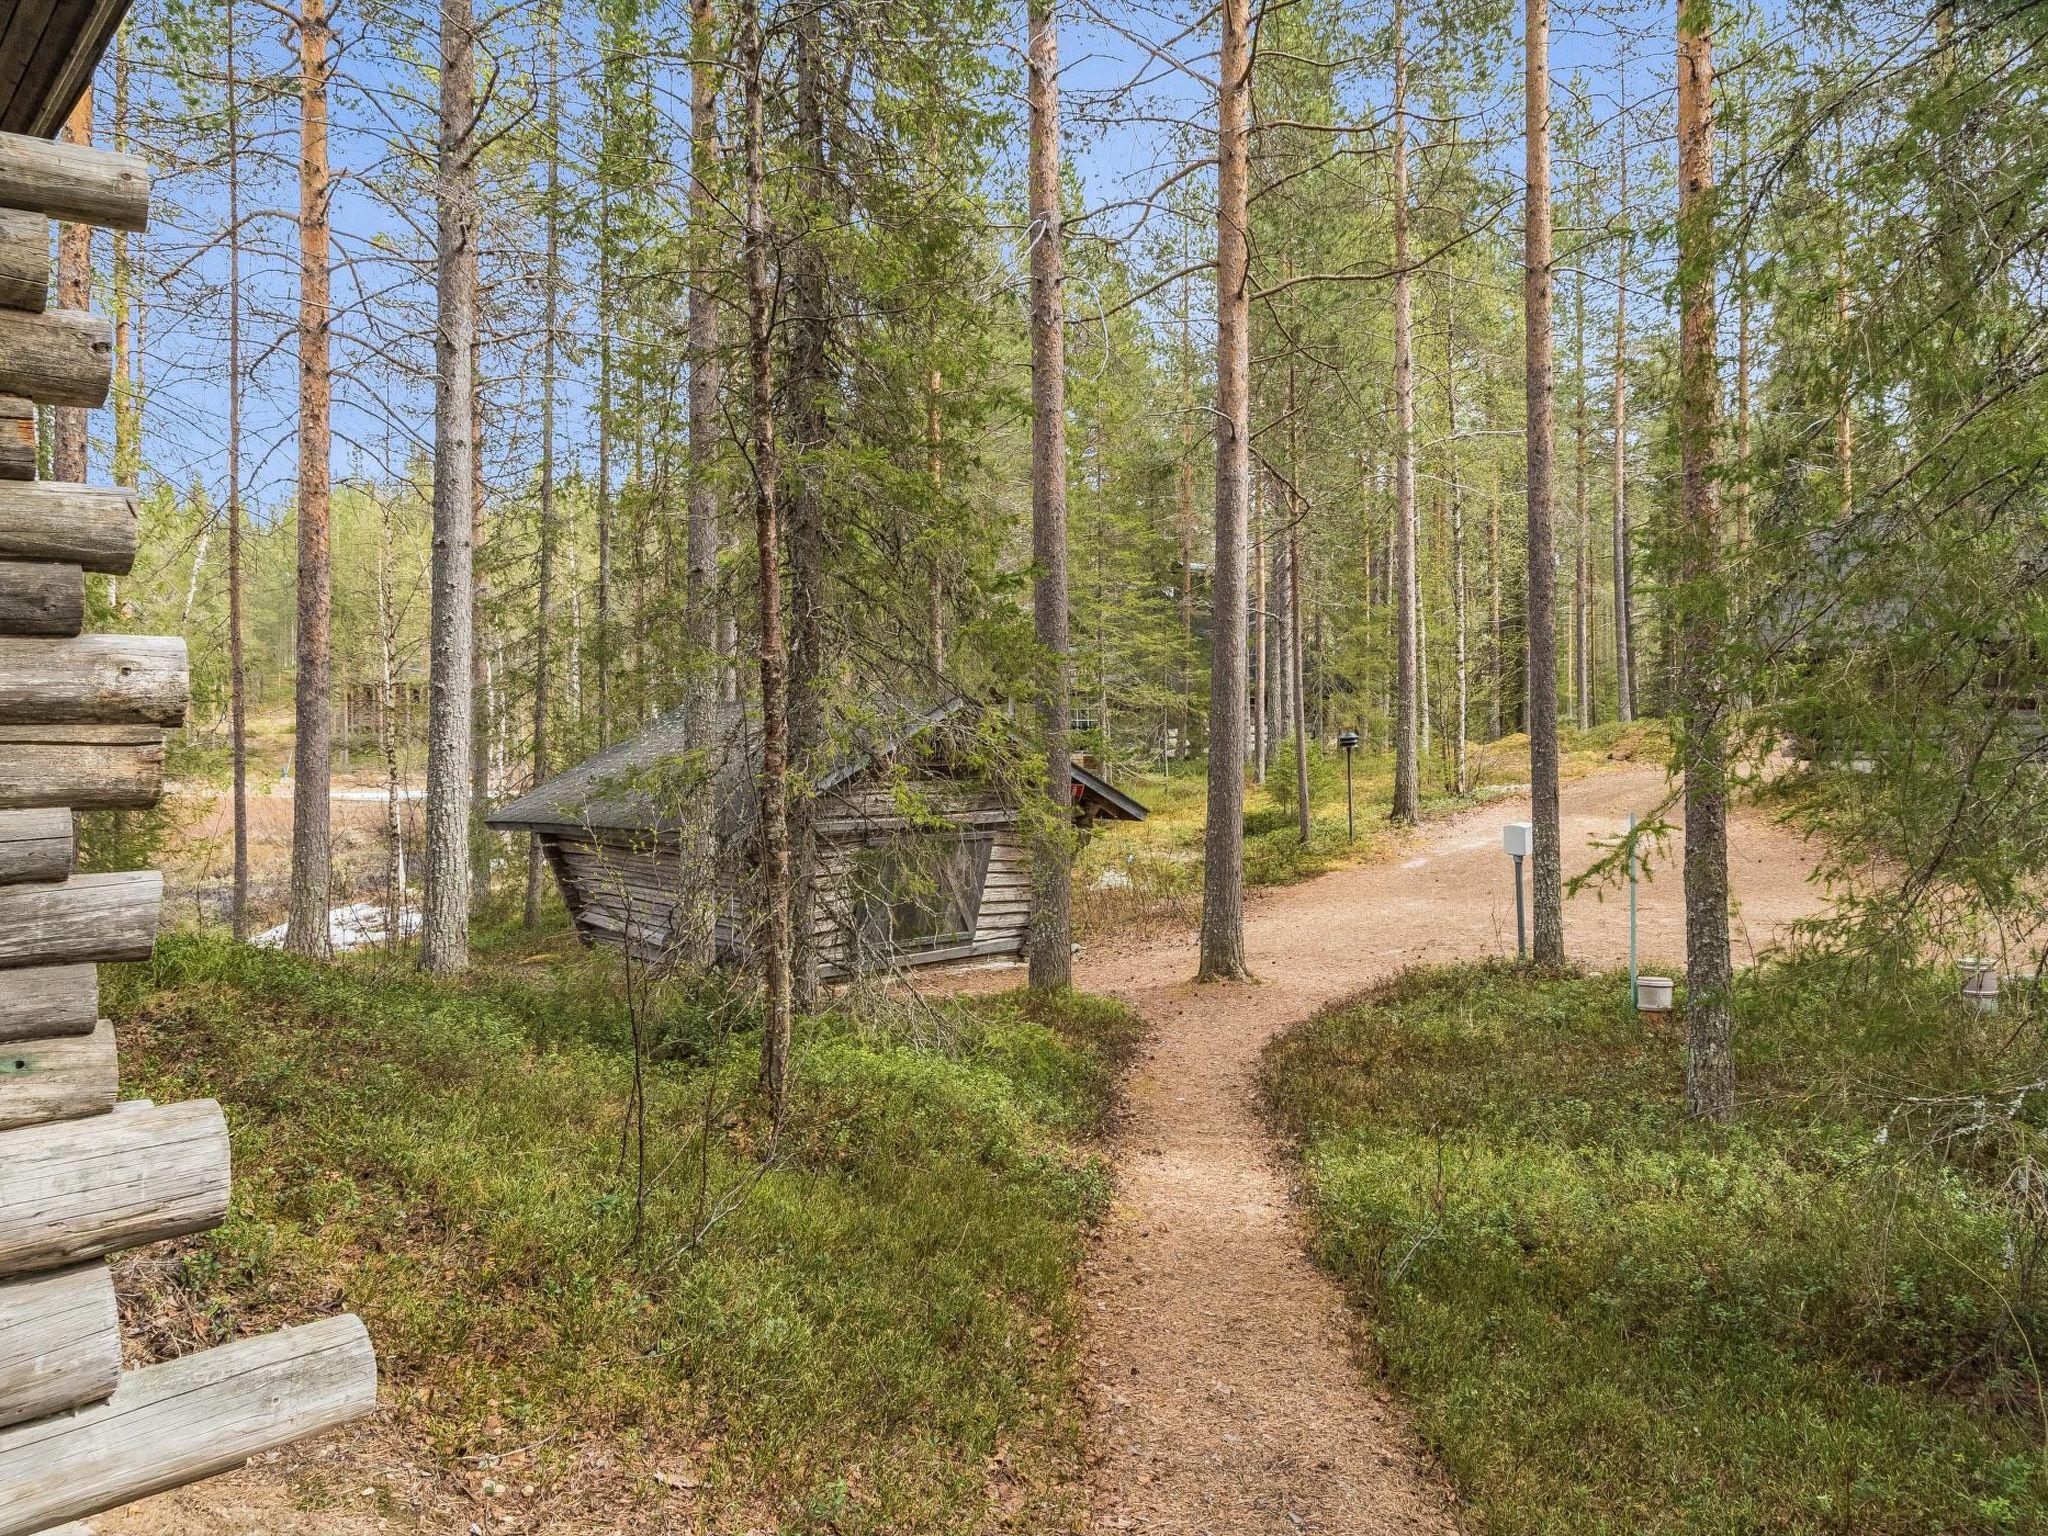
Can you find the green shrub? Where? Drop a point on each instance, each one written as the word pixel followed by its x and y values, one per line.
pixel 891 1291
pixel 1612 1318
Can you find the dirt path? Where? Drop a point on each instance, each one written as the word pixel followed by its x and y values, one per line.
pixel 1225 1397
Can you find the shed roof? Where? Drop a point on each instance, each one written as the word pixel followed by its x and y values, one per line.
pixel 48 51
pixel 627 787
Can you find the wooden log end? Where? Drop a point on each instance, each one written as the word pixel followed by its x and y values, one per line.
pixel 186 1420
pixel 63 1077
pixel 82 1189
pixel 60 1342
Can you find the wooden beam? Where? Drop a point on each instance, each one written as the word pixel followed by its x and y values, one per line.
pixel 38 1001
pixel 74 182
pixel 94 526
pixel 67 1077
pixel 60 1342
pixel 36 845
pixel 62 357
pixel 82 1189
pixel 17 438
pixel 88 917
pixel 40 598
pixel 94 680
pixel 85 767
pixel 24 261
pixel 185 1420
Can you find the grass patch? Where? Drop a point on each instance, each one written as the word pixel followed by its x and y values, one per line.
pixel 872 1331
pixel 1612 1319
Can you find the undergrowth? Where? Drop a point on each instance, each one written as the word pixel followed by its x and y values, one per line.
pixel 1611 1318
pixel 868 1328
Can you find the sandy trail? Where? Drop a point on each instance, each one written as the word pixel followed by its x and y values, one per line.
pixel 1224 1394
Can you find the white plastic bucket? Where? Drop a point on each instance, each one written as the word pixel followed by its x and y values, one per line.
pixel 1653 994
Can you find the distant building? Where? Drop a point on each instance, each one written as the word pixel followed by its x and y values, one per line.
pixel 921 853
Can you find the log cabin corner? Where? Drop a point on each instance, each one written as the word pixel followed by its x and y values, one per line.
pixel 82 726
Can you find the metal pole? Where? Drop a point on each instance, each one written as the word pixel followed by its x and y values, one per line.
pixel 1632 909
pixel 1521 914
pixel 1350 819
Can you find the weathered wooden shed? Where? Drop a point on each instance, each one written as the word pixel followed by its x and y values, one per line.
pixel 82 726
pixel 921 852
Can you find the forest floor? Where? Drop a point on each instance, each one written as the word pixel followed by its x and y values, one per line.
pixel 1224 1370
pixel 1227 1386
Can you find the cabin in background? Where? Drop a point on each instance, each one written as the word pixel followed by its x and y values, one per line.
pixel 921 851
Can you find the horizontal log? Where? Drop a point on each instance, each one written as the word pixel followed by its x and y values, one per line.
pixel 88 917
pixel 66 1077
pixel 185 1420
pixel 38 1001
pixel 60 1342
pixel 60 357
pixel 94 680
pixel 39 598
pixel 95 526
pixel 24 260
pixel 82 1189
pixel 18 445
pixel 36 845
pixel 74 182
pixel 85 767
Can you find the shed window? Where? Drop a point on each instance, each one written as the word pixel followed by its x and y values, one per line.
pixel 919 890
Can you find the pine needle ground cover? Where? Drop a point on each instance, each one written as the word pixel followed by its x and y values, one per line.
pixel 872 1330
pixel 1608 1318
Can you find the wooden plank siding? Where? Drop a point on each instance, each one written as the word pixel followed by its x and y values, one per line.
pixel 627 889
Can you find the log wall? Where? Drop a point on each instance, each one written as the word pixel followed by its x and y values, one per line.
pixel 628 889
pixel 82 724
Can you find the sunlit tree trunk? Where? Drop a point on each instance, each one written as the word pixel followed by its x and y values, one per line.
pixel 1051 954
pixel 705 381
pixel 1624 626
pixel 68 424
pixel 1461 775
pixel 1582 565
pixel 1709 1058
pixel 1223 836
pixel 1540 701
pixel 444 926
pixel 1407 807
pixel 544 563
pixel 127 394
pixel 307 926
pixel 238 679
pixel 774 835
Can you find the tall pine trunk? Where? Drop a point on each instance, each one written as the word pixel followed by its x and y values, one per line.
pixel 705 371
pixel 238 677
pixel 1223 836
pixel 1297 696
pixel 1461 770
pixel 1052 964
pixel 1546 862
pixel 1407 807
pixel 1582 565
pixel 810 370
pixel 312 845
pixel 544 572
pixel 1624 624
pixel 444 927
pixel 1709 1057
pixel 127 393
pixel 68 424
pixel 774 835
